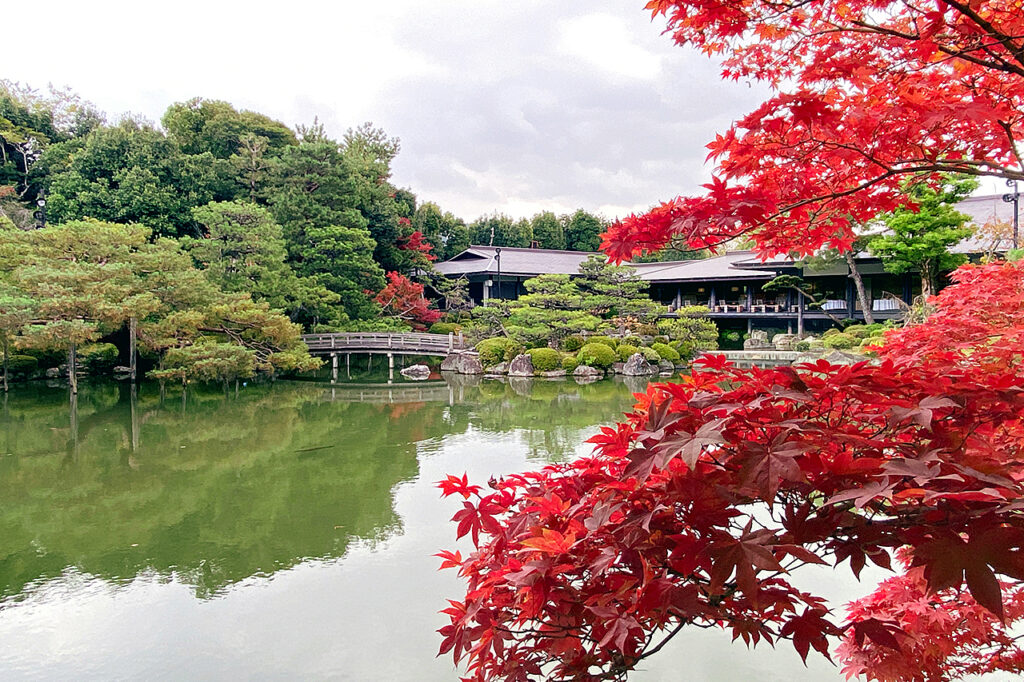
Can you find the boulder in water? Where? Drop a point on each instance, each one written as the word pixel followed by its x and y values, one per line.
pixel 521 366
pixel 637 366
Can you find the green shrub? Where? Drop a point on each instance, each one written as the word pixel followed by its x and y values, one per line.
pixel 666 352
pixel 21 364
pixel 872 341
pixel 660 339
pixel 513 349
pixel 572 343
pixel 598 355
pixel 98 357
pixel 646 329
pixel 875 329
pixel 857 331
pixel 544 359
pixel 650 355
pixel 492 351
pixel 47 357
pixel 445 328
pixel 730 340
pixel 625 350
pixel 803 346
pixel 839 341
pixel 831 332
pixel 606 340
pixel 570 363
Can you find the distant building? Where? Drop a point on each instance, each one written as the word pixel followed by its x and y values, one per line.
pixel 730 284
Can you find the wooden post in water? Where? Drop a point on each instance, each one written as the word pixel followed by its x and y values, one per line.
pixel 348 368
pixel 132 333
pixel 391 367
pixel 334 368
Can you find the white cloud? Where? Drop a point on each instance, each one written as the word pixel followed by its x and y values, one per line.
pixel 605 41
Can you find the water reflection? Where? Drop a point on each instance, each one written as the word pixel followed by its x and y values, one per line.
pixel 212 488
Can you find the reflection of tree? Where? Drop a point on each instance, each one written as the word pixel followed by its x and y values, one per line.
pixel 229 489
pixel 232 487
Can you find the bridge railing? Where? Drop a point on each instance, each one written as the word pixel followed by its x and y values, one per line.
pixel 411 342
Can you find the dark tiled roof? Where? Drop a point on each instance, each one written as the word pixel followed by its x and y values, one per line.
pixel 514 261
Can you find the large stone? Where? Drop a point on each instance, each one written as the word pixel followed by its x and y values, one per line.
pixel 416 372
pixel 637 366
pixel 617 367
pixel 666 367
pixel 521 366
pixel 450 362
pixel 498 369
pixel 785 341
pixel 838 357
pixel 462 363
pixel 758 340
pixel 587 371
pixel 553 373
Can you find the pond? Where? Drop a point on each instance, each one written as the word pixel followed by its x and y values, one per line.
pixel 284 531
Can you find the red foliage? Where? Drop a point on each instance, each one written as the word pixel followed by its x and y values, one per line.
pixel 416 242
pixel 697 509
pixel 403 299
pixel 876 91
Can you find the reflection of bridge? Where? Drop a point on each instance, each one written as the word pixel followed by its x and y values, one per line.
pixel 346 343
pixel 426 392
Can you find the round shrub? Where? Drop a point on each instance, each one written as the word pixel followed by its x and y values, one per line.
pixel 570 363
pixel 872 341
pixel 625 350
pixel 544 359
pixel 661 339
pixel 598 355
pixel 857 331
pixel 98 357
pixel 606 340
pixel 445 328
pixel 572 343
pixel 513 349
pixel 839 341
pixel 47 358
pixel 21 364
pixel 831 332
pixel 492 351
pixel 646 329
pixel 650 355
pixel 666 352
pixel 803 346
pixel 875 329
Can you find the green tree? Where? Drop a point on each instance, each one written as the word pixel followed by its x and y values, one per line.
pixel 448 234
pixel 552 309
pixel 920 239
pixel 548 231
pixel 132 173
pixel 582 231
pixel 244 252
pixel 341 258
pixel 202 125
pixel 616 291
pixel 16 311
pixel 500 230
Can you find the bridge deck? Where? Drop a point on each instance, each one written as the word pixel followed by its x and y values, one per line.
pixel 404 344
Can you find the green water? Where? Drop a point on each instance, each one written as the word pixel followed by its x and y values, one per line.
pixel 281 532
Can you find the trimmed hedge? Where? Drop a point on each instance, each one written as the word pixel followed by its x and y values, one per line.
pixel 98 357
pixel 544 359
pixel 606 340
pixel 570 363
pixel 493 351
pixel 21 364
pixel 598 355
pixel 803 346
pixel 625 350
pixel 666 352
pixel 572 343
pixel 445 328
pixel 857 331
pixel 650 355
pixel 839 341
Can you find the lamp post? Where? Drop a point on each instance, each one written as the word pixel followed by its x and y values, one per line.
pixel 1014 199
pixel 497 260
pixel 40 215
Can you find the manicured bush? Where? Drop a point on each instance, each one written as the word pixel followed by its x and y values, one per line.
pixel 572 343
pixel 803 346
pixel 646 329
pixel 872 341
pixel 544 359
pixel 666 352
pixel 660 339
pixel 98 357
pixel 21 364
pixel 875 328
pixel 570 363
pixel 598 355
pixel 839 341
pixel 858 332
pixel 513 349
pixel 47 358
pixel 492 351
pixel 606 340
pixel 831 332
pixel 625 350
pixel 445 328
pixel 730 340
pixel 650 355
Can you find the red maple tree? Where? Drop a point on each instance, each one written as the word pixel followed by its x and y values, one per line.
pixel 697 509
pixel 403 299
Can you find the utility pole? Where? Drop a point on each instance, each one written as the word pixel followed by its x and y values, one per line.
pixel 1014 199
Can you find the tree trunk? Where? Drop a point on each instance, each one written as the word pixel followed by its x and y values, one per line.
pixel 5 364
pixel 133 324
pixel 73 369
pixel 858 282
pixel 927 280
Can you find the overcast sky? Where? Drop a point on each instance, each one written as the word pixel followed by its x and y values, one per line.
pixel 500 106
